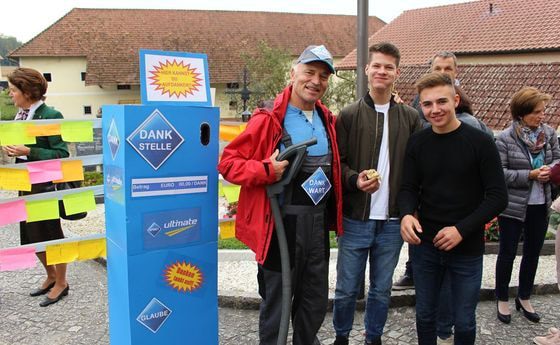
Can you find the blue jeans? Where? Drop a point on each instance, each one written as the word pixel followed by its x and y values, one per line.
pixel 445 309
pixel 465 274
pixel 382 241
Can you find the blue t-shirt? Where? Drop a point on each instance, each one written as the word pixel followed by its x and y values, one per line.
pixel 300 129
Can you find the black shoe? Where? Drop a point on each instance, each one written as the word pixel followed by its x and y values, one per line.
pixel 502 317
pixel 376 341
pixel 405 283
pixel 40 292
pixel 48 301
pixel 533 317
pixel 341 340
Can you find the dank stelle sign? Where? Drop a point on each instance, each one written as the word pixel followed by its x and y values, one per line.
pixel 174 78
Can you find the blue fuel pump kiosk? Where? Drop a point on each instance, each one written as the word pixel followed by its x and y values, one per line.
pixel 159 165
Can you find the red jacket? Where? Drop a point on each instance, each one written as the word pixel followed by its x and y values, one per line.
pixel 243 161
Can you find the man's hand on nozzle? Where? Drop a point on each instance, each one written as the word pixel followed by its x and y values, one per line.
pixel 409 226
pixel 278 166
pixel 367 185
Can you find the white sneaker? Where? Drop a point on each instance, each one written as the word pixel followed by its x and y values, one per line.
pixel 448 341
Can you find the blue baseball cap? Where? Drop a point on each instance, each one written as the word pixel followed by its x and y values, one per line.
pixel 317 53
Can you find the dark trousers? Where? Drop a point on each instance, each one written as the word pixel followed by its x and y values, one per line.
pixel 465 275
pixel 534 230
pixel 445 319
pixel 309 280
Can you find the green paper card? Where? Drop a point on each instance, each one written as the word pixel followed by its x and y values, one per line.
pixel 15 134
pixel 79 202
pixel 42 210
pixel 77 131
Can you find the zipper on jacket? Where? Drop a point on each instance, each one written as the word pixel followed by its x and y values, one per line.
pixel 371 164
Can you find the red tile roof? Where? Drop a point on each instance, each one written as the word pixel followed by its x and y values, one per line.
pixel 111 38
pixel 471 28
pixel 490 87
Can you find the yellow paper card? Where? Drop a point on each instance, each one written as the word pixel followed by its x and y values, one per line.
pixel 92 249
pixel 232 193
pixel 15 134
pixel 43 130
pixel 62 253
pixel 79 202
pixel 77 131
pixel 14 179
pixel 42 210
pixel 71 171
pixel 227 229
pixel 220 188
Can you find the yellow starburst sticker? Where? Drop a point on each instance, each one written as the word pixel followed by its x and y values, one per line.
pixel 175 78
pixel 183 276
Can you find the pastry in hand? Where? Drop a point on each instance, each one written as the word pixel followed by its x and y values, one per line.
pixel 373 174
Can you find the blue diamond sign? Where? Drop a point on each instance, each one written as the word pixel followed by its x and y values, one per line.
pixel 317 185
pixel 155 139
pixel 154 315
pixel 154 229
pixel 113 138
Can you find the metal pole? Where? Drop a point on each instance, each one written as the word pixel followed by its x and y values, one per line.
pixel 362 45
pixel 361 78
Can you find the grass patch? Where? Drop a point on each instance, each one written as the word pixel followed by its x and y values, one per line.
pixel 233 243
pixel 92 178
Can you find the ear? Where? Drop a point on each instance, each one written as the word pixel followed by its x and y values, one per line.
pixel 292 74
pixel 457 100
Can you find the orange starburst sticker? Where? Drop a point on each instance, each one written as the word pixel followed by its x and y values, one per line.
pixel 183 276
pixel 175 78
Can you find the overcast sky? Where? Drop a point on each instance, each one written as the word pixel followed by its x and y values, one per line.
pixel 25 18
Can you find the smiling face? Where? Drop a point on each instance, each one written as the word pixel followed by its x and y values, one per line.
pixel 20 99
pixel 438 105
pixel 536 117
pixel 309 83
pixel 381 71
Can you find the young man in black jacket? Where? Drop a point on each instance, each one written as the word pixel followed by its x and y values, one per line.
pixel 454 180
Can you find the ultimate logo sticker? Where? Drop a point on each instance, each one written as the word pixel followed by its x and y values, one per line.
pixel 183 276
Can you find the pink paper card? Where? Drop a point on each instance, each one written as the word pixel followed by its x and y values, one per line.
pixel 12 212
pixel 17 259
pixel 44 171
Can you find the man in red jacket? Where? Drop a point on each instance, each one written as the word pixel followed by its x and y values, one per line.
pixel 310 204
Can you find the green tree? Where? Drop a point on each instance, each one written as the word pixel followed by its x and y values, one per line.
pixel 7 44
pixel 341 91
pixel 269 70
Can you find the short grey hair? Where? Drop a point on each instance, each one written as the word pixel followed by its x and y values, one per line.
pixel 444 55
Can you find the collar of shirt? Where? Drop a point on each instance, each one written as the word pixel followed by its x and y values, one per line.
pixel 33 108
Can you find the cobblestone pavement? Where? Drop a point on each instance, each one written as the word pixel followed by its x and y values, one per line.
pixel 240 326
pixel 81 317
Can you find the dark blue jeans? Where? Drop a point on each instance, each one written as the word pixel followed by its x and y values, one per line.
pixel 465 274
pixel 445 309
pixel 534 231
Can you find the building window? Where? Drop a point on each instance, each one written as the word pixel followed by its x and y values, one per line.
pixel 232 85
pixel 87 109
pixel 232 105
pixel 123 87
pixel 83 75
pixel 47 76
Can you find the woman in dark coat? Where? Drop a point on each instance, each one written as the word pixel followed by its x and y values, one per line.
pixel 528 149
pixel 27 90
